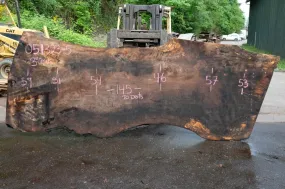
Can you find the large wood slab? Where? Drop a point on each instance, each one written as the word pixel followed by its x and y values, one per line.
pixel 213 90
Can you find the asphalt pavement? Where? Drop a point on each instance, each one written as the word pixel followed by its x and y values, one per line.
pixel 239 43
pixel 154 157
pixel 273 107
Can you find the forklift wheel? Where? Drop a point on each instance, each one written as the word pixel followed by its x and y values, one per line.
pixel 5 68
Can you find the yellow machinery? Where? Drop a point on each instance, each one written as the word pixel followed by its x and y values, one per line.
pixel 10 35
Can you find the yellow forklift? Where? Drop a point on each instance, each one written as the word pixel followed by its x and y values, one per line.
pixel 10 34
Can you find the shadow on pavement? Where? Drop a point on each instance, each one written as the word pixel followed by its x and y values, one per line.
pixel 150 157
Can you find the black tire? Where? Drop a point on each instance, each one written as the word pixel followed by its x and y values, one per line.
pixel 224 39
pixel 2 93
pixel 236 39
pixel 5 66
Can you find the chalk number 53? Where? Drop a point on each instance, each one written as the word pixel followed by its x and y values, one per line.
pixel 243 83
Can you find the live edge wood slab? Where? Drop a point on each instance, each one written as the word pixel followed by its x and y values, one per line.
pixel 211 89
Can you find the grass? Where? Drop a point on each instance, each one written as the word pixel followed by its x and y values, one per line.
pixel 281 64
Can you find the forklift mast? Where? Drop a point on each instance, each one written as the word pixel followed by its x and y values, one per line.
pixel 131 16
pixel 133 34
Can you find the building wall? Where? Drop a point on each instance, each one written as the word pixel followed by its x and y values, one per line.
pixel 267 25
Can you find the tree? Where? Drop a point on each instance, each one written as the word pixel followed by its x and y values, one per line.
pixel 99 16
pixel 83 16
pixel 220 16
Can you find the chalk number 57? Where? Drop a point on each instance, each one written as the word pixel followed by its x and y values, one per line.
pixel 211 80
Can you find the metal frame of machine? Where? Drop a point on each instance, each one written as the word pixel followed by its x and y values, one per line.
pixel 132 34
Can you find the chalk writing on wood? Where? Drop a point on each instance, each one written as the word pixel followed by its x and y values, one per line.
pixel 27 80
pixel 211 80
pixel 35 61
pixel 133 97
pixel 243 83
pixel 96 81
pixel 159 77
pixel 40 49
pixel 56 80
pixel 127 91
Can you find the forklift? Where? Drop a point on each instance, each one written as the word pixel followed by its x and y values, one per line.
pixel 131 32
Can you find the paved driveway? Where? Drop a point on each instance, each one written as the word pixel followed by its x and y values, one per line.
pixel 156 157
pixel 239 43
pixel 273 107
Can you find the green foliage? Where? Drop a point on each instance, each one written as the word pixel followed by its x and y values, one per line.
pixel 99 16
pixel 253 49
pixel 281 64
pixel 220 16
pixel 4 18
pixel 66 19
pixel 57 29
pixel 76 38
pixel 83 16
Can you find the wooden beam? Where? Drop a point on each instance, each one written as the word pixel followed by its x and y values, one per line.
pixel 213 90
